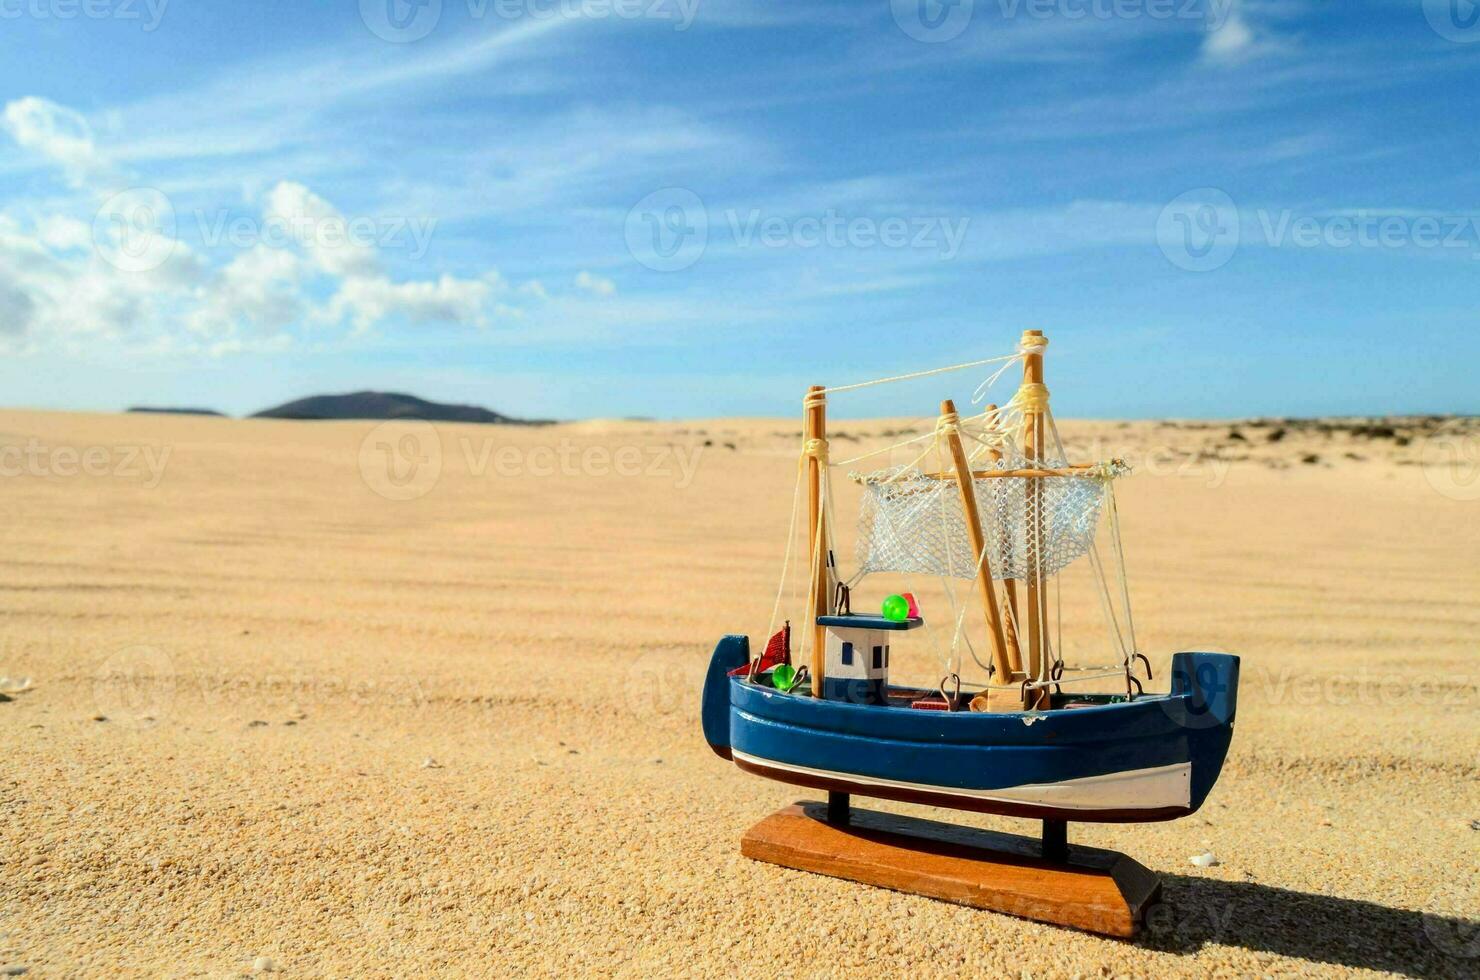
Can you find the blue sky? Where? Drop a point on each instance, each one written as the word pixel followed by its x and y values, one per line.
pixel 697 207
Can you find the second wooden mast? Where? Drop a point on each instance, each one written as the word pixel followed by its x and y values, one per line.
pixel 1033 396
pixel 814 432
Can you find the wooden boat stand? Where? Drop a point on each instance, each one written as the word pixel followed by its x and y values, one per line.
pixel 1046 880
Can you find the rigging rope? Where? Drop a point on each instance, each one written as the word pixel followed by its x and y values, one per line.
pixel 922 374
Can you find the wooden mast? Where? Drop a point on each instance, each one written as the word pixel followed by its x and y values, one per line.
pixel 1009 588
pixel 814 432
pixel 1036 404
pixel 969 511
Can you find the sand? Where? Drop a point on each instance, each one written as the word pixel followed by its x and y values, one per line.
pixel 281 721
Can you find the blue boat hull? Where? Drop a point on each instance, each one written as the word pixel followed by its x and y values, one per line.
pixel 1155 758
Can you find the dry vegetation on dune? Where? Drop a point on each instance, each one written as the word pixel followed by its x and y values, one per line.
pixel 301 705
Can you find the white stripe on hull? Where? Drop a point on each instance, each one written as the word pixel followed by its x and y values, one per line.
pixel 1136 789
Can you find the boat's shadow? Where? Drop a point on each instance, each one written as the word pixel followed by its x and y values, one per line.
pixel 1196 912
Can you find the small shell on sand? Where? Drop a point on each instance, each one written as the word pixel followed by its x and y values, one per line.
pixel 430 763
pixel 14 685
pixel 264 964
pixel 1204 860
pixel 13 970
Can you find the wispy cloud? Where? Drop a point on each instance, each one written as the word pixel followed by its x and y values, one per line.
pixel 56 135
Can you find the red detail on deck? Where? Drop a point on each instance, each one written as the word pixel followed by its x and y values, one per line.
pixel 778 651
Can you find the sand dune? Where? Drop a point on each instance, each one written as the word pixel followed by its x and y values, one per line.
pixel 391 701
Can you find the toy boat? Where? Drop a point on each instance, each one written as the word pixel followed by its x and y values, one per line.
pixel 1009 514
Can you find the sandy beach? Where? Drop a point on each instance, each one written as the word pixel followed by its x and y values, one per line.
pixel 352 700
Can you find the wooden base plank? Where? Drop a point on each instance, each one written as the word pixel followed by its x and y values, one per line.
pixel 1094 890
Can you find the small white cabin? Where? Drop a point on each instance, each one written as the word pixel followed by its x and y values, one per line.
pixel 857 653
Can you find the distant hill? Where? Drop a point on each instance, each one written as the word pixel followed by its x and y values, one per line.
pixel 175 411
pixel 379 405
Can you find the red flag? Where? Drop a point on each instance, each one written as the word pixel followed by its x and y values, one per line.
pixel 778 651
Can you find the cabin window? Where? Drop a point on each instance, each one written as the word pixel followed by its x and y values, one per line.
pixel 847 656
pixel 878 658
pixel 886 656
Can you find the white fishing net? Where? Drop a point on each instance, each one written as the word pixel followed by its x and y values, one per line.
pixel 913 522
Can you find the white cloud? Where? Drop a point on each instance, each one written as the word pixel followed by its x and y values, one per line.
pixel 595 285
pixel 1248 31
pixel 74 275
pixel 364 302
pixel 64 233
pixel 55 133
pixel 319 229
pixel 260 290
pixel 1232 41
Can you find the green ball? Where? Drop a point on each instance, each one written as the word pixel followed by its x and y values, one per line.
pixel 783 677
pixel 896 609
